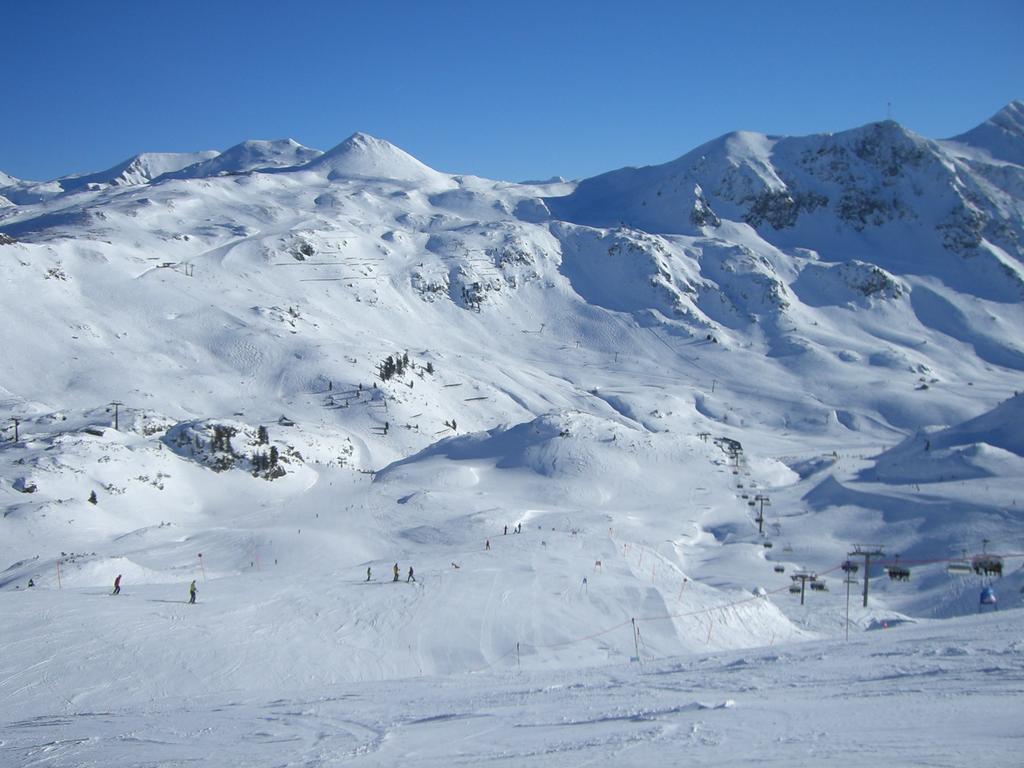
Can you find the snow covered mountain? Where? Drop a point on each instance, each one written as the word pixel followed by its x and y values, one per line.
pixel 604 421
pixel 139 169
pixel 879 193
pixel 246 157
pixel 999 137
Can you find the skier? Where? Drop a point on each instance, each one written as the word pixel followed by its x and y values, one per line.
pixel 411 577
pixel 487 544
pixel 395 571
pixel 117 585
pixel 506 531
pixel 31 583
pixel 192 592
pixel 368 573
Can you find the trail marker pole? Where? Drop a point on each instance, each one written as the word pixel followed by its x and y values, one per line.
pixel 519 661
pixel 58 575
pixel 636 641
pixel 16 423
pixel 201 568
pixel 847 580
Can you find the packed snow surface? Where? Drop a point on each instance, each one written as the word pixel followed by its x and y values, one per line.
pixel 470 472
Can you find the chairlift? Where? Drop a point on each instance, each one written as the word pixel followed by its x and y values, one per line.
pixel 768 545
pixel 780 569
pixel 988 597
pixel 959 568
pixel 850 567
pixel 898 573
pixel 987 565
pixel 794 589
pixel 819 586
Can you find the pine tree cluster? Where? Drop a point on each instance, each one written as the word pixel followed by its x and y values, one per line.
pixel 222 438
pixel 266 464
pixel 393 366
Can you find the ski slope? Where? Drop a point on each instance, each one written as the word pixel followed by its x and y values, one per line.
pixel 599 395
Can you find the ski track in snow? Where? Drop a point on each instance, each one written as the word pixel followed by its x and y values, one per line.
pixel 803 705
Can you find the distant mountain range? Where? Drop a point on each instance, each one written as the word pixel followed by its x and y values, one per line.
pixel 760 244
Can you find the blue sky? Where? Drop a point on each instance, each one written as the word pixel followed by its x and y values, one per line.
pixel 506 90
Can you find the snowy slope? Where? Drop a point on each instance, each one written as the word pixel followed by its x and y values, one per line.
pixel 564 408
pixel 246 157
pixel 362 156
pixel 1000 136
pixel 139 169
pixel 879 193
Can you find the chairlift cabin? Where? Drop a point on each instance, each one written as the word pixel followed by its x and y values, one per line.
pixel 987 565
pixel 988 597
pixel 768 545
pixel 850 567
pixel 794 589
pixel 780 569
pixel 959 568
pixel 819 586
pixel 898 573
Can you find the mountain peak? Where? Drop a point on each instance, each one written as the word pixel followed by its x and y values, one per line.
pixel 364 156
pixel 138 169
pixel 249 155
pixel 1001 136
